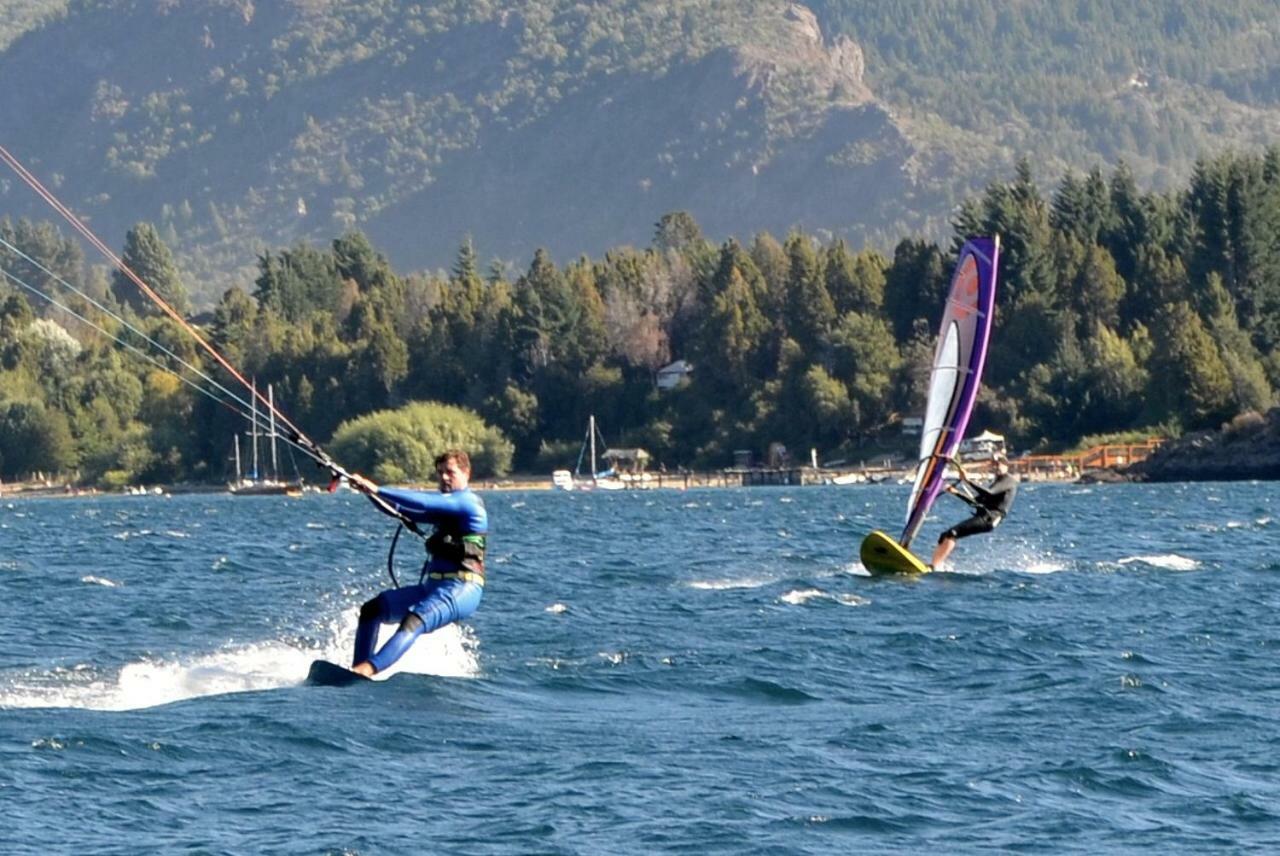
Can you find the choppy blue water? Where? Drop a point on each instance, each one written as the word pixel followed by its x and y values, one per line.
pixel 702 671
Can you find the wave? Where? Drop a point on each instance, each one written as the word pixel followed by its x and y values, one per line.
pixel 724 584
pixel 1166 561
pixel 798 597
pixel 147 533
pixel 1045 566
pixel 270 664
pixel 100 581
pixel 766 691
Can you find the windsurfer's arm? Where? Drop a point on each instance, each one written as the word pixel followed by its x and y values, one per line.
pixel 964 495
pixel 961 479
pixel 994 497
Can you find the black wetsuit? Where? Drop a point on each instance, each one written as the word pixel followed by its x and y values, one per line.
pixel 992 503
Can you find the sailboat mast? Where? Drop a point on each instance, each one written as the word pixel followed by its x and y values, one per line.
pixel 236 438
pixel 275 464
pixel 591 429
pixel 254 389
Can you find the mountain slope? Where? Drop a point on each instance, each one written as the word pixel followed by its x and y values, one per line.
pixel 544 124
pixel 236 126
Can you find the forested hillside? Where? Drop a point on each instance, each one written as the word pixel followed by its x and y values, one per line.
pixel 1080 83
pixel 236 127
pixel 1117 311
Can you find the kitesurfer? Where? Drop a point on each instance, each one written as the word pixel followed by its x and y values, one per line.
pixel 991 505
pixel 453 579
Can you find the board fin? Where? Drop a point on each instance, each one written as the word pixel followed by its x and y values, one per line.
pixel 881 554
pixel 326 674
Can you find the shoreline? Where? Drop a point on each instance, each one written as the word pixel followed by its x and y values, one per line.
pixel 726 479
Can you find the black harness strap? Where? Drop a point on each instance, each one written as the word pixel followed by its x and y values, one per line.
pixel 405 523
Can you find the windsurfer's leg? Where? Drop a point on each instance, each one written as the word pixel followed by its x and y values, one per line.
pixel 942 551
pixel 975 525
pixel 446 602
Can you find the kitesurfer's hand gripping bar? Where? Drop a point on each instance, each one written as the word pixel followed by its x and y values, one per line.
pixel 338 473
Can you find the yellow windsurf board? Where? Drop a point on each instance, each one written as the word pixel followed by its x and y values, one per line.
pixel 881 554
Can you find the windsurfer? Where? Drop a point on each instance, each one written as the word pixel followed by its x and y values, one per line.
pixel 991 504
pixel 453 579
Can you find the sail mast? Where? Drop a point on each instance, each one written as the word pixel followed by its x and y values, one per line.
pixel 271 405
pixel 591 430
pixel 254 429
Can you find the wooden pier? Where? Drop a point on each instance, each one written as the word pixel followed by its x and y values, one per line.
pixel 1072 465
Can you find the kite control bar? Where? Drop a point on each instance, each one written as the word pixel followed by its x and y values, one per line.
pixel 338 474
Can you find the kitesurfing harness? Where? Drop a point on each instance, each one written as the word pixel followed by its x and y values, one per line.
pixel 466 550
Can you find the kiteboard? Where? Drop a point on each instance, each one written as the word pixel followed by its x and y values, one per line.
pixel 881 554
pixel 326 674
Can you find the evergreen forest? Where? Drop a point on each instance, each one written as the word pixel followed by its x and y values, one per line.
pixel 1118 310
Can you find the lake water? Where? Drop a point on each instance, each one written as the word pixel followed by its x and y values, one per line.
pixel 704 671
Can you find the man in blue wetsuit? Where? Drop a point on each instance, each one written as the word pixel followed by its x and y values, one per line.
pixel 990 506
pixel 454 575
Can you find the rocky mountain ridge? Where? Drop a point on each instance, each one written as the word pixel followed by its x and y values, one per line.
pixel 249 126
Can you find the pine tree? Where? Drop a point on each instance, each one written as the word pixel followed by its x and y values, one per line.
pixel 1128 227
pixel 233 321
pixel 40 257
pixel 1019 215
pixel 855 283
pixel 676 231
pixel 915 286
pixel 867 360
pixel 1097 290
pixel 297 282
pixel 1190 381
pixel 1114 382
pixel 1250 388
pixel 466 266
pixel 148 257
pixel 772 260
pixel 1258 305
pixel 734 329
pixel 807 308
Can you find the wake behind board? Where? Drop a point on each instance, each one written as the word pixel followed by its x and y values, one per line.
pixel 326 674
pixel 881 554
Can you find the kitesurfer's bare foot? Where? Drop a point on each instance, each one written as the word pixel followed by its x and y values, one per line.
pixel 366 669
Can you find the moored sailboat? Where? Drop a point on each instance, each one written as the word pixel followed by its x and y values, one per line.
pixel 255 484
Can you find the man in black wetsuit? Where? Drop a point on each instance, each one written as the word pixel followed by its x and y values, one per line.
pixel 990 505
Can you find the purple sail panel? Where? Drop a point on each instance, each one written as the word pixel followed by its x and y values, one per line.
pixel 956 376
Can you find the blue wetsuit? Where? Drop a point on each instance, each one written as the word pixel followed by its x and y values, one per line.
pixel 453 579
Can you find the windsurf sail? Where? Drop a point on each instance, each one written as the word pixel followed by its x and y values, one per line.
pixel 956 375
